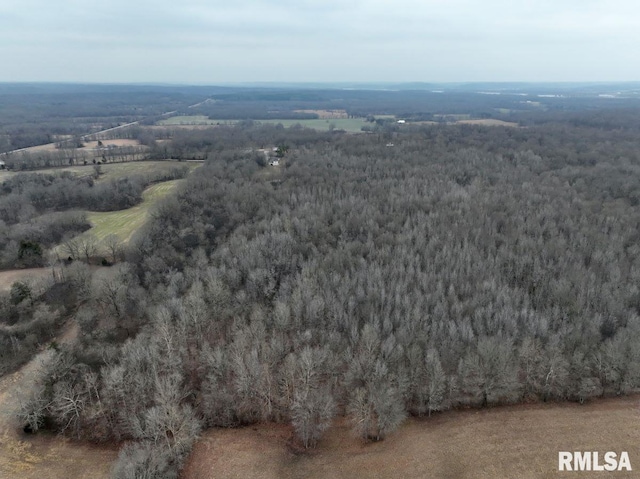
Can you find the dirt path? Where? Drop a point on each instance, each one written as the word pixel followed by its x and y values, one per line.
pixel 520 442
pixel 39 456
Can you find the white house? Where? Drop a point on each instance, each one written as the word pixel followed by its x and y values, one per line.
pixel 401 122
pixel 274 162
pixel 2 165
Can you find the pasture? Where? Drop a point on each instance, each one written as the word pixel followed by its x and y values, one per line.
pixel 520 441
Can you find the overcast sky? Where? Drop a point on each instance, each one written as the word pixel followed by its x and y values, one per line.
pixel 212 42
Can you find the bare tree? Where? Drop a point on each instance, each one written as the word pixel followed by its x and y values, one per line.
pixel 88 246
pixel 114 247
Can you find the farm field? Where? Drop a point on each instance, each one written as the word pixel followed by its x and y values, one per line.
pixel 506 442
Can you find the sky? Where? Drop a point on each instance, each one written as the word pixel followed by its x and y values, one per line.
pixel 237 41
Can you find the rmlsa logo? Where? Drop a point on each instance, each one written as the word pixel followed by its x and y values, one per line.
pixel 592 461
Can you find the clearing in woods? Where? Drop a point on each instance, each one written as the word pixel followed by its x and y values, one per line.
pixel 124 223
pixel 521 441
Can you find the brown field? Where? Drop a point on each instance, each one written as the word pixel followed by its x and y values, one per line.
pixel 520 442
pixel 489 122
pixel 7 278
pixel 326 114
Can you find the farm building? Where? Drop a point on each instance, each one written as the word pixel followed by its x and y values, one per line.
pixel 2 165
pixel 274 162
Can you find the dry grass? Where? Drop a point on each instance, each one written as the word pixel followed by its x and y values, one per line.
pixel 510 442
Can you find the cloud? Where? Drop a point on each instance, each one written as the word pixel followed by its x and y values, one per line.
pixel 198 40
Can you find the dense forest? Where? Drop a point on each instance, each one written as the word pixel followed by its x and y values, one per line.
pixel 400 272
pixel 462 266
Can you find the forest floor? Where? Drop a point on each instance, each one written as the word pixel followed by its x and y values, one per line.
pixel 520 441
pixel 36 456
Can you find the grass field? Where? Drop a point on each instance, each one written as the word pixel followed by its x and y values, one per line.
pixel 125 222
pixel 520 442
